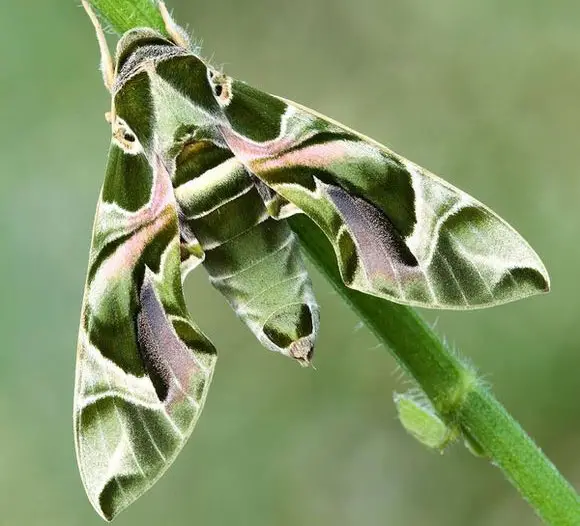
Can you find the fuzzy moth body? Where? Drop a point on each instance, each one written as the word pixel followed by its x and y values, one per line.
pixel 204 169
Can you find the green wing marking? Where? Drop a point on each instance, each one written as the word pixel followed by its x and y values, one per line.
pixel 143 368
pixel 398 231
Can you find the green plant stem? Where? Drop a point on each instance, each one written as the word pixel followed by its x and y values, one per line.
pixel 123 15
pixel 451 385
pixel 453 389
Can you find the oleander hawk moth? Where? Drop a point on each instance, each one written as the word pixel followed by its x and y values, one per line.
pixel 203 170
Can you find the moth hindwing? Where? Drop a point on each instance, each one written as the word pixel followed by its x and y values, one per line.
pixel 204 169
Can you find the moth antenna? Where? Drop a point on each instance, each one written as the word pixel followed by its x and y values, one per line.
pixel 107 67
pixel 176 32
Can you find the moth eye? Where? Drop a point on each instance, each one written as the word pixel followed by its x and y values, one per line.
pixel 124 137
pixel 222 89
pixel 221 86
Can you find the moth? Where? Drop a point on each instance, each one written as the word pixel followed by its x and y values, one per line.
pixel 203 170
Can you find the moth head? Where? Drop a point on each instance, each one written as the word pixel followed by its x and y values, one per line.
pixel 160 86
pixel 133 41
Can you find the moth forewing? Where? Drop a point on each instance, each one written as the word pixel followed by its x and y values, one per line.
pixel 398 231
pixel 143 368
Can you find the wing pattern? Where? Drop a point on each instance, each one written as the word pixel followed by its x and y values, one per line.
pixel 398 231
pixel 143 368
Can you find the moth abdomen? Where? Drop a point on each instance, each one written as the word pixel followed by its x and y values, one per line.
pixel 299 336
pixel 262 275
pixel 252 259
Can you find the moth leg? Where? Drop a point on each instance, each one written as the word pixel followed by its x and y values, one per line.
pixel 176 32
pixel 191 256
pixel 107 67
pixel 277 206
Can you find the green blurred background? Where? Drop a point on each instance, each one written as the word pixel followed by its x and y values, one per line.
pixel 484 93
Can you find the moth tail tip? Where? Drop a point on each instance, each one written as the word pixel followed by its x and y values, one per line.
pixel 302 351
